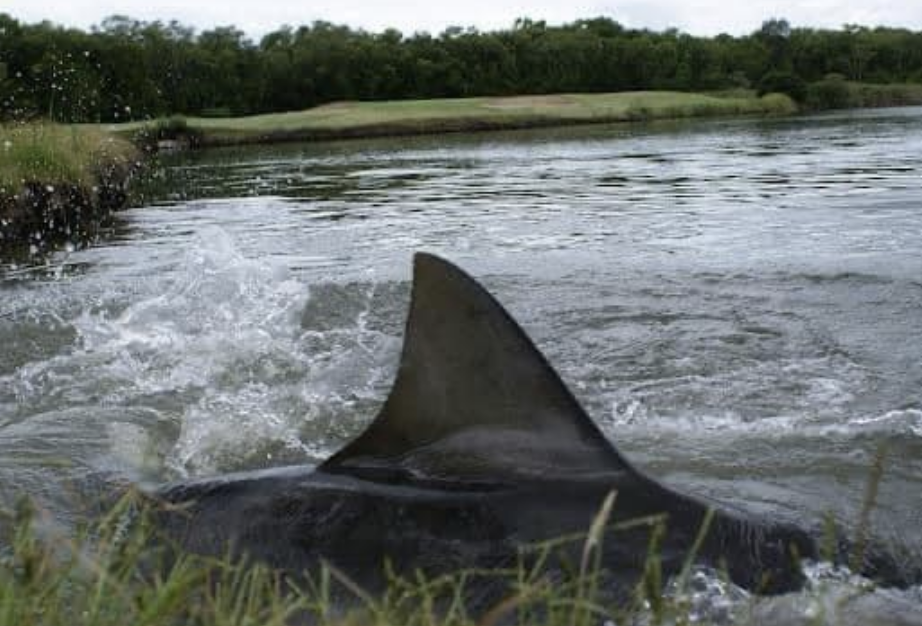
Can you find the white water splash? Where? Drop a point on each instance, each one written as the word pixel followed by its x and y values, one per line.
pixel 903 421
pixel 708 597
pixel 634 411
pixel 221 354
pixel 832 596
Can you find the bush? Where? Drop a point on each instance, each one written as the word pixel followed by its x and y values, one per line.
pixel 832 92
pixel 788 83
pixel 778 104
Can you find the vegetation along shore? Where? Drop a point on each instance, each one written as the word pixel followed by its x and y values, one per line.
pixel 354 119
pixel 343 120
pixel 58 183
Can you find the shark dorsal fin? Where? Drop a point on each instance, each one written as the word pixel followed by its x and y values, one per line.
pixel 474 399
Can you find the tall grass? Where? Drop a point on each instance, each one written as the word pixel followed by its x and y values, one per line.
pixel 52 154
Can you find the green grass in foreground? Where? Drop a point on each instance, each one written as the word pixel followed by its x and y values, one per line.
pixel 348 119
pixel 52 154
pixel 109 575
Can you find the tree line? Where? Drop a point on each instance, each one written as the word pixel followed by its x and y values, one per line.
pixel 127 69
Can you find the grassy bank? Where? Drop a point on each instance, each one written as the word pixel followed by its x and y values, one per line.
pixel 372 119
pixel 55 180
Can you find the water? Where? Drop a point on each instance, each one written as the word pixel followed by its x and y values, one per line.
pixel 737 304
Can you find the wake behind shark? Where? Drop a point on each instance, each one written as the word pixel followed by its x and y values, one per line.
pixel 478 450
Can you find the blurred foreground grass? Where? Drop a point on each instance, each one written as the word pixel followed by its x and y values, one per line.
pixel 111 574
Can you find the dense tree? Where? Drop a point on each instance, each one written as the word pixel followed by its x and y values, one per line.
pixel 129 69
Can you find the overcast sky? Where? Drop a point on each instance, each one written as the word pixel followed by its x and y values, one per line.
pixel 257 17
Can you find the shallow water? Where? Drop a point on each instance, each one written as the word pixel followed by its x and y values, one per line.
pixel 738 304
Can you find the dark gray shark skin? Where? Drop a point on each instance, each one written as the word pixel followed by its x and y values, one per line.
pixel 478 450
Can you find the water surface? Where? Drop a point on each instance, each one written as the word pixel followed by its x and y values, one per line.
pixel 738 304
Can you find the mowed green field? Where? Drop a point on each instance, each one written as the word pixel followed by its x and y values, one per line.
pixel 354 119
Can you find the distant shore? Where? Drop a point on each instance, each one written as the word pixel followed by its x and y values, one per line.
pixel 356 120
pixel 345 120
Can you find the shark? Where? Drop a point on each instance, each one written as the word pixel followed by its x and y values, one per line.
pixel 479 449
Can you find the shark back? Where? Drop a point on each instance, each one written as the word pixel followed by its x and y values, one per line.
pixel 478 448
pixel 476 407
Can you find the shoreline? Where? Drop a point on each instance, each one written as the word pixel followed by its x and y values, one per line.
pixel 399 118
pixel 396 118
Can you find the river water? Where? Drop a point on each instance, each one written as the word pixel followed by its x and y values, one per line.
pixel 738 304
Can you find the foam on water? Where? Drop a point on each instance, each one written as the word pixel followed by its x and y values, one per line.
pixel 835 596
pixel 899 421
pixel 219 365
pixel 631 413
pixel 832 596
pixel 707 597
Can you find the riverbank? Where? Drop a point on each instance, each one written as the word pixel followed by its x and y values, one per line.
pixel 58 183
pixel 350 120
pixel 344 120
